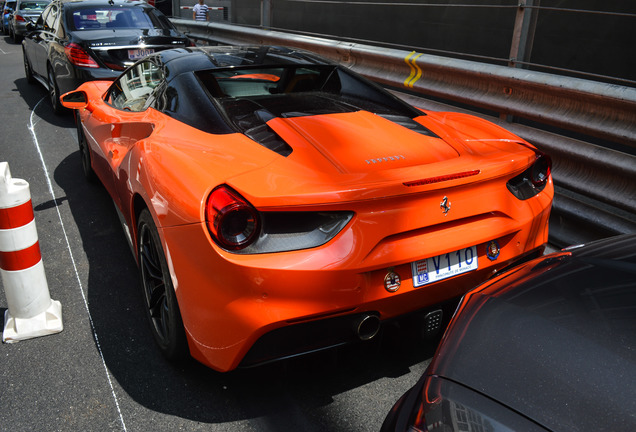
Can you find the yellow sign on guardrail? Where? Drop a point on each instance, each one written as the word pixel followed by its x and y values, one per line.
pixel 416 72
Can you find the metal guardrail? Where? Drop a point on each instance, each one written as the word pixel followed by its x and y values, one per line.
pixel 596 186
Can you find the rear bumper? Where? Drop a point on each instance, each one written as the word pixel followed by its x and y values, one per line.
pixel 262 308
pixel 298 339
pixel 306 338
pixel 19 28
pixel 242 309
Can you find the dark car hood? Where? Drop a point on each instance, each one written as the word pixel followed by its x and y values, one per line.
pixel 560 347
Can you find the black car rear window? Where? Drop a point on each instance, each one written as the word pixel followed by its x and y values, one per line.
pixel 116 18
pixel 33 5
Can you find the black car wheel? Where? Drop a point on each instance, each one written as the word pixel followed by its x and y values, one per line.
pixel 28 72
pixel 85 152
pixel 54 92
pixel 158 292
pixel 15 38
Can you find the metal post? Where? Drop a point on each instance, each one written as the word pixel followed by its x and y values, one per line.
pixel 176 8
pixel 266 13
pixel 523 33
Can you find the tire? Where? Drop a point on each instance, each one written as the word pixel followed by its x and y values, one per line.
pixel 28 72
pixel 14 37
pixel 160 301
pixel 54 92
pixel 85 152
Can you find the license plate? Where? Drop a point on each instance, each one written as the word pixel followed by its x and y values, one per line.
pixel 134 54
pixel 433 269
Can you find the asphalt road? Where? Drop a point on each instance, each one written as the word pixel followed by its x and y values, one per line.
pixel 103 372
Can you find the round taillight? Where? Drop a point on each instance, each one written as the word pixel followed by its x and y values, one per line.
pixel 232 221
pixel 541 170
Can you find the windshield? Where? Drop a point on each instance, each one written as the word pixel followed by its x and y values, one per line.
pixel 119 18
pixel 33 5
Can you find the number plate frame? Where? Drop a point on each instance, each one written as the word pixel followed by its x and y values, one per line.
pixel 441 267
pixel 136 54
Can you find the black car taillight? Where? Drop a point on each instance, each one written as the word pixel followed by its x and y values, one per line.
pixel 232 221
pixel 77 56
pixel 532 180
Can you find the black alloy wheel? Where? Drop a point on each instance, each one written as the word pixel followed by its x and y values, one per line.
pixel 54 93
pixel 14 37
pixel 28 72
pixel 158 292
pixel 85 152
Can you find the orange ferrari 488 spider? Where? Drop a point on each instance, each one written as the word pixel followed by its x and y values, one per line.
pixel 280 204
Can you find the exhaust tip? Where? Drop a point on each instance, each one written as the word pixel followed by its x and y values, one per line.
pixel 367 327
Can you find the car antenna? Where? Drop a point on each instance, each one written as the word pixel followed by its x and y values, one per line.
pixel 111 2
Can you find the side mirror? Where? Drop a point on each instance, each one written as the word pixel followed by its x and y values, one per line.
pixel 76 99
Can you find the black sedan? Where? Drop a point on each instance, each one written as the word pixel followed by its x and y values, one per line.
pixel 550 345
pixel 26 11
pixel 77 41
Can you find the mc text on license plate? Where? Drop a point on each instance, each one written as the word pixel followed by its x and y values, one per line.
pixel 440 267
pixel 134 54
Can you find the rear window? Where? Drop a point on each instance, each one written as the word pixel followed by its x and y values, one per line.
pixel 117 18
pixel 33 5
pixel 294 90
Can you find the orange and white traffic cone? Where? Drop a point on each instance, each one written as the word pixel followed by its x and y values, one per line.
pixel 31 312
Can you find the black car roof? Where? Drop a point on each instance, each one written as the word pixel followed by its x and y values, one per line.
pixel 180 60
pixel 80 4
pixel 190 74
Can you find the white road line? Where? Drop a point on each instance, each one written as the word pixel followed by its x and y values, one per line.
pixel 70 252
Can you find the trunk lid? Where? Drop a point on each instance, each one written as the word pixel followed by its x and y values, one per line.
pixel 359 142
pixel 120 48
pixel 359 155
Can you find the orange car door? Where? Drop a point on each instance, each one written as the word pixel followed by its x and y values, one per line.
pixel 119 122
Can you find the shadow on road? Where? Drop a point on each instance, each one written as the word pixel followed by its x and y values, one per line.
pixel 36 93
pixel 190 390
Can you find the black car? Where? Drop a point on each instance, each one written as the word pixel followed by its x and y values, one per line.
pixel 77 41
pixel 548 346
pixel 26 11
